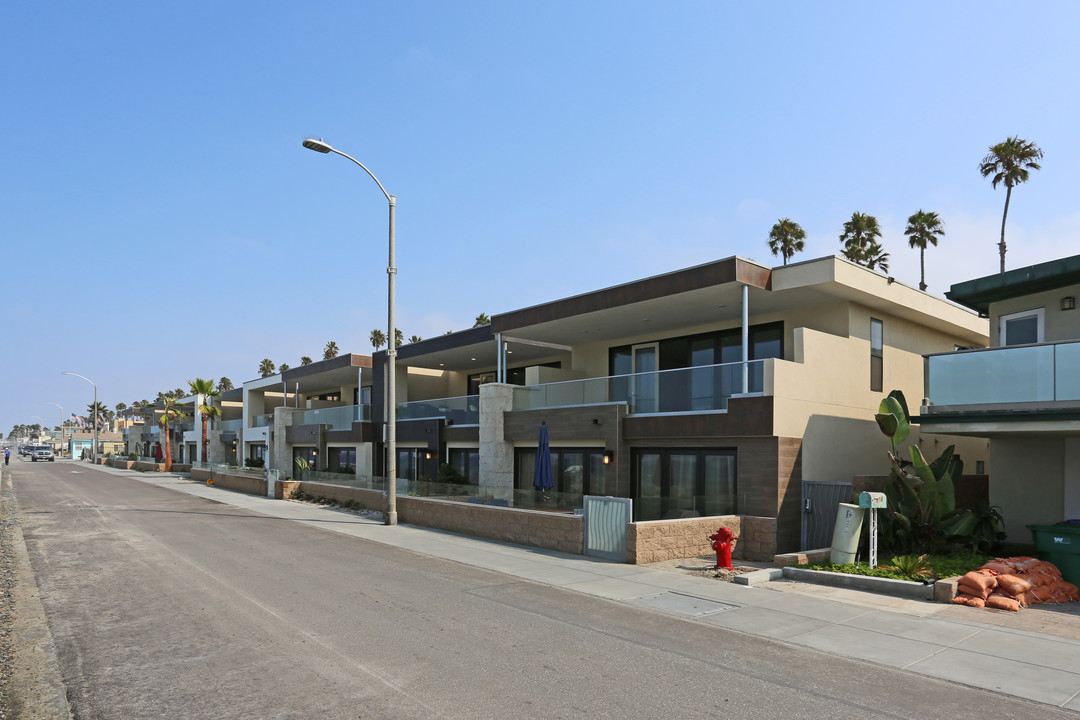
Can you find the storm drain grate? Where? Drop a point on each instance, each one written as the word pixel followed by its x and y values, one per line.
pixel 677 604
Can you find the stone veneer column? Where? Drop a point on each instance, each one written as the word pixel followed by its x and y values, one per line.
pixel 214 449
pixel 496 455
pixel 282 452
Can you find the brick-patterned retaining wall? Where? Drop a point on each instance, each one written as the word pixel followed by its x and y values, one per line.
pixel 657 540
pixel 552 531
pixel 249 484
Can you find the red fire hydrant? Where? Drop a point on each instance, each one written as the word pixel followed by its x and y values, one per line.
pixel 721 543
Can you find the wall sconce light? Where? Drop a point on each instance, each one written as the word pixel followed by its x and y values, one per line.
pixel 1068 303
pixel 608 457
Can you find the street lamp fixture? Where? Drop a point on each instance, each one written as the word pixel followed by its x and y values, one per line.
pixel 93 453
pixel 391 348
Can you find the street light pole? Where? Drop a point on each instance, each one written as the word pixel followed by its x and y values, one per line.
pixel 391 338
pixel 61 425
pixel 93 453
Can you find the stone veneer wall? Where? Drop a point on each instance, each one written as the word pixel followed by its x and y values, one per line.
pixel 552 531
pixel 653 541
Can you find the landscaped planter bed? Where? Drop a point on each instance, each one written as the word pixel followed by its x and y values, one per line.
pixel 887 586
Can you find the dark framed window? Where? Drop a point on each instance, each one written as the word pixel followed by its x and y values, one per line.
pixel 684 482
pixel 877 346
pixel 417 464
pixel 307 453
pixel 467 463
pixel 341 459
pixel 575 472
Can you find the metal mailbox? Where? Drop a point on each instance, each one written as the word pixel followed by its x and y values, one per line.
pixel 872 500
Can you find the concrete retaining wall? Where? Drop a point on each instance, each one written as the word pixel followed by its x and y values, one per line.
pixel 657 540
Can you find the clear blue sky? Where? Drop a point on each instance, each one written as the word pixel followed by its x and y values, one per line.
pixel 160 220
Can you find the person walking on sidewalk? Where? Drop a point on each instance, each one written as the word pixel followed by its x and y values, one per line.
pixel 7 455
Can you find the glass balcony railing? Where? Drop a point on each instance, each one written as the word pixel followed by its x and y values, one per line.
pixel 231 425
pixel 262 420
pixel 338 418
pixel 463 410
pixel 696 389
pixel 1001 376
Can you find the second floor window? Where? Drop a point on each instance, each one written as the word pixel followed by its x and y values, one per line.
pixel 877 346
pixel 1022 328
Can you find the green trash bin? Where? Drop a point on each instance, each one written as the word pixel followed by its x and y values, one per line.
pixel 1060 545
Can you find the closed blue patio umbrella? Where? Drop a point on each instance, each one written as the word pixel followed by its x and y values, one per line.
pixel 543 478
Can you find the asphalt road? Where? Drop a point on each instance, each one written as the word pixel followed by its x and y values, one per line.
pixel 165 605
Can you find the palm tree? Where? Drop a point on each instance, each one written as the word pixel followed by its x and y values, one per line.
pixel 170 412
pixel 786 238
pixel 415 338
pixel 101 411
pixel 330 351
pixel 860 242
pixel 203 390
pixel 378 339
pixel 481 320
pixel 923 229
pixel 305 360
pixel 1009 162
pixel 266 367
pixel 399 337
pixel 120 407
pixel 224 385
pixel 283 367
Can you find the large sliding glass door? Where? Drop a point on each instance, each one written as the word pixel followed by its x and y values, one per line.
pixel 680 483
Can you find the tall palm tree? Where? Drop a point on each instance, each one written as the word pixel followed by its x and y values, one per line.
pixel 415 338
pixel 1009 162
pixel 860 241
pixel 378 339
pixel 224 385
pixel 266 367
pixel 283 367
pixel 481 320
pixel 399 337
pixel 204 390
pixel 305 360
pixel 330 351
pixel 171 411
pixel 923 229
pixel 786 238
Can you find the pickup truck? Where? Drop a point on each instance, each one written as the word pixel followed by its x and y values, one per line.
pixel 42 453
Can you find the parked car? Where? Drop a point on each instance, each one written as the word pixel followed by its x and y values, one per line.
pixel 25 449
pixel 43 453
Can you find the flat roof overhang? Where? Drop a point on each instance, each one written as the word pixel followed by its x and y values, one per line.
pixel 672 303
pixel 977 294
pixel 990 424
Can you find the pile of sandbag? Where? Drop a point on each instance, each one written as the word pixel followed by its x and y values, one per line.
pixel 1013 583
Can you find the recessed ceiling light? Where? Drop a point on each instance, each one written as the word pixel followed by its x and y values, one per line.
pixel 473 359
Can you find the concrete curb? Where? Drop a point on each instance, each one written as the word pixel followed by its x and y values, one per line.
pixel 886 586
pixel 759 577
pixel 38 691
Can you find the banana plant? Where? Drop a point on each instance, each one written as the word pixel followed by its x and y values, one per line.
pixel 921 496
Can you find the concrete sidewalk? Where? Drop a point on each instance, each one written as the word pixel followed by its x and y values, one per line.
pixel 979 648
